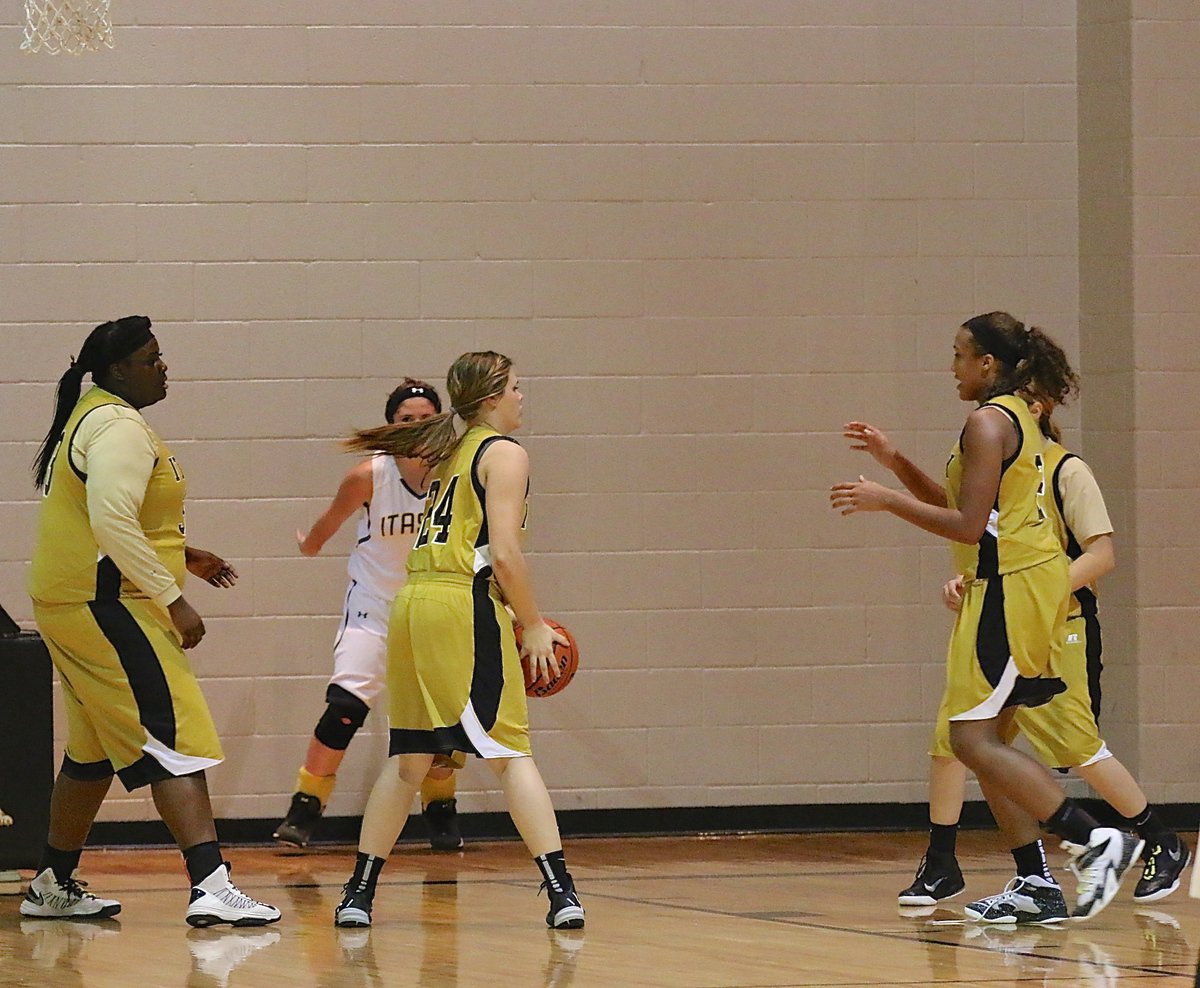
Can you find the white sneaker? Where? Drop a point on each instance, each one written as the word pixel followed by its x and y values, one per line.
pixel 218 900
pixel 48 898
pixel 1100 866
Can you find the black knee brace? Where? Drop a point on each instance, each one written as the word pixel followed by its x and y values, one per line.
pixel 342 718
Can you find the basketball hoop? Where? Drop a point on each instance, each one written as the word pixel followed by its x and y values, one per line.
pixel 72 26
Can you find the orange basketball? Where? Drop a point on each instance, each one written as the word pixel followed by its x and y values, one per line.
pixel 566 657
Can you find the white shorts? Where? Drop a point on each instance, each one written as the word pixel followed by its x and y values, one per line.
pixel 360 649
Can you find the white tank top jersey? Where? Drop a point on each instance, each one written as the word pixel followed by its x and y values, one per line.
pixel 386 530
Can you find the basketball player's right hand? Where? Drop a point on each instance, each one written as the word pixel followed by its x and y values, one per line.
pixel 537 645
pixel 187 622
pixel 952 593
pixel 301 540
pixel 868 439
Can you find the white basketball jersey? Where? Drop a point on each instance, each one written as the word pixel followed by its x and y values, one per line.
pixel 386 530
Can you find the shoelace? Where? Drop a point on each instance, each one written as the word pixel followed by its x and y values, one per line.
pixel 351 889
pixel 234 897
pixel 920 869
pixel 1086 874
pixel 1009 894
pixel 74 890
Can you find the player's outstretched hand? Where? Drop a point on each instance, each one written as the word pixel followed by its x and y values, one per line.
pixel 210 567
pixel 859 495
pixel 867 439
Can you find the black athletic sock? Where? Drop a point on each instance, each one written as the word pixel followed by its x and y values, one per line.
pixel 553 867
pixel 202 860
pixel 366 873
pixel 1030 860
pixel 942 837
pixel 1150 828
pixel 1071 822
pixel 62 863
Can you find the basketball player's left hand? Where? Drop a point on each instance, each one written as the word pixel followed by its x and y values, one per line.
pixel 859 495
pixel 537 645
pixel 210 567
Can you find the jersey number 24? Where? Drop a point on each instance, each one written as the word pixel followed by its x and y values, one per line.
pixel 438 513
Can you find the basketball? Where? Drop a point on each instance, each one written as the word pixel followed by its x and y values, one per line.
pixel 565 656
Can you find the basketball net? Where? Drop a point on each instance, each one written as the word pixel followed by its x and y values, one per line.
pixel 72 26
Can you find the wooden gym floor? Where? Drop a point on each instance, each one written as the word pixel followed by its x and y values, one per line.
pixel 722 912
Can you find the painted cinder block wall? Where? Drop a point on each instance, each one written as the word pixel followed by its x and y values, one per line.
pixel 707 234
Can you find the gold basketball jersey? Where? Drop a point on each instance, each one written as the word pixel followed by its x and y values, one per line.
pixel 454 532
pixel 1019 532
pixel 68 566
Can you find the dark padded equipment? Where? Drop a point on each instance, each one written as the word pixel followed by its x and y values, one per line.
pixel 26 744
pixel 341 720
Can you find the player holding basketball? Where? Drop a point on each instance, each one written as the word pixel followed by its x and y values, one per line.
pixel 1010 628
pixel 1064 732
pixel 454 673
pixel 391 493
pixel 106 581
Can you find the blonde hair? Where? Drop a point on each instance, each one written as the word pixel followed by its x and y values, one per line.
pixel 472 379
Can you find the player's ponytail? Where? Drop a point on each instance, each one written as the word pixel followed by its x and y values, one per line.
pixel 105 345
pixel 1025 355
pixel 1049 370
pixel 473 379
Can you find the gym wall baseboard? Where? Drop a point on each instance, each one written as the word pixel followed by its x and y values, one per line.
pixel 657 822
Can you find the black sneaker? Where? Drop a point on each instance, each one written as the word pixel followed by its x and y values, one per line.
pixel 1165 861
pixel 937 879
pixel 301 820
pixel 355 907
pixel 566 911
pixel 441 817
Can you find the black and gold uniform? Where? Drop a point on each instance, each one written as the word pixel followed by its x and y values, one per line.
pixel 108 560
pixel 454 673
pixel 1004 646
pixel 1064 732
